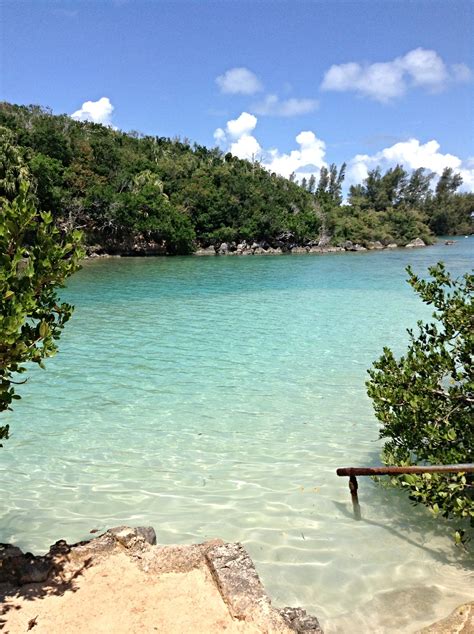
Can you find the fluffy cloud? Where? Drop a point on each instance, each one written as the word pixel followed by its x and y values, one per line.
pixel 239 81
pixel 99 111
pixel 238 133
pixel 384 81
pixel 411 154
pixel 238 139
pixel 306 160
pixel 272 105
pixel 242 125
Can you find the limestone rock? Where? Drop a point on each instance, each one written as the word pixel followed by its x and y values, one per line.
pixel 418 242
pixel 206 251
pixel 299 621
pixel 228 565
pixel 128 537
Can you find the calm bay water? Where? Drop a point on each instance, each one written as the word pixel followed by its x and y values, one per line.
pixel 216 397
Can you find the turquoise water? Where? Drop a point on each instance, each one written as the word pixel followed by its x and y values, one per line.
pixel 216 397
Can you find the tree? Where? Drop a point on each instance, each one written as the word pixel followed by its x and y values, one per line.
pixel 35 260
pixel 424 400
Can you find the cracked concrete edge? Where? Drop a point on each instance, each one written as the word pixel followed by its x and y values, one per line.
pixel 460 621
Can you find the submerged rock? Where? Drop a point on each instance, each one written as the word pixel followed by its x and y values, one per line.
pixel 461 621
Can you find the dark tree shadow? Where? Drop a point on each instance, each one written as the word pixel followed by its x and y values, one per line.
pixel 28 577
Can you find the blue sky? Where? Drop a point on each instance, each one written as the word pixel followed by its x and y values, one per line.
pixel 295 84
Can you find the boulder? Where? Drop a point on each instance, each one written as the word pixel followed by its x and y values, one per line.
pixel 374 245
pixel 224 249
pixel 20 568
pixel 206 251
pixel 297 250
pixel 418 242
pixel 392 245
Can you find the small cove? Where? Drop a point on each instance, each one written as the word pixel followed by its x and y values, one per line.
pixel 216 397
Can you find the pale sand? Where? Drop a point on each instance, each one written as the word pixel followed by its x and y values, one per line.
pixel 115 596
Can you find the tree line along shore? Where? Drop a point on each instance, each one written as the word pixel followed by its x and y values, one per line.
pixel 134 194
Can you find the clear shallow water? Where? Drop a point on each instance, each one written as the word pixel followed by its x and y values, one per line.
pixel 216 397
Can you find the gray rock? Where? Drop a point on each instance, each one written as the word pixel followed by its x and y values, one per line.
pixel 374 245
pixel 297 250
pixel 275 251
pixel 7 551
pixel 20 568
pixel 224 248
pixel 236 578
pixel 299 621
pixel 418 242
pixel 206 251
pixel 128 536
pixel 392 245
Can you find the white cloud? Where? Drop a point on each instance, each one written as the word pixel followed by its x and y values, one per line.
pixel 384 81
pixel 238 139
pixel 219 136
pixel 244 124
pixel 461 72
pixel 239 81
pixel 272 105
pixel 425 67
pixel 306 160
pixel 247 147
pixel 99 111
pixel 412 154
pixel 310 154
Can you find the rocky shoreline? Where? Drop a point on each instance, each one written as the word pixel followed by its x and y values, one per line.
pixel 220 579
pixel 283 245
pixel 122 581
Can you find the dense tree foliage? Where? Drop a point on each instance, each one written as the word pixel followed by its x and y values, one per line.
pixel 125 188
pixel 35 259
pixel 425 399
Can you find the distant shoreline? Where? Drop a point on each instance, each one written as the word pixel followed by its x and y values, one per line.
pixel 243 249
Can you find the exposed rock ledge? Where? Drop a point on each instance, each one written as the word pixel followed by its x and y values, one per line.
pixel 284 244
pixel 123 582
pixel 460 621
